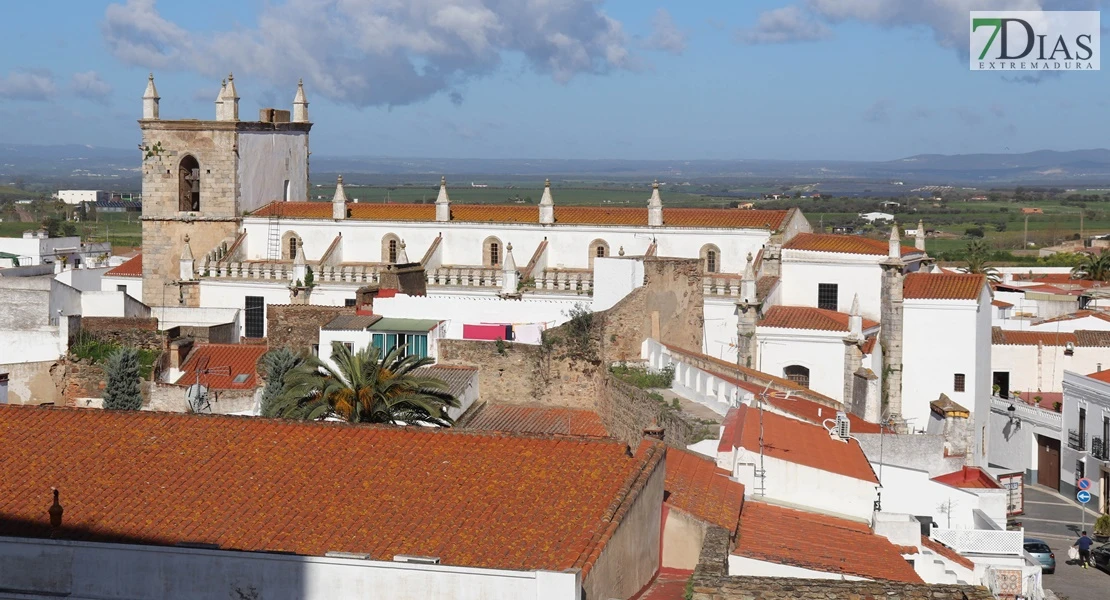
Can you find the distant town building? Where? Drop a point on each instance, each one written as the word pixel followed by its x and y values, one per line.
pixel 871 217
pixel 1032 211
pixel 79 196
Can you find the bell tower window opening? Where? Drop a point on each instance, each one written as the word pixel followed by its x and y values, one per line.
pixel 293 247
pixel 711 261
pixel 494 254
pixel 188 184
pixel 798 374
pixel 392 251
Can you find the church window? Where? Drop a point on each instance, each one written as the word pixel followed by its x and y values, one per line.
pixel 494 254
pixel 391 247
pixel 293 247
pixel 798 374
pixel 711 261
pixel 598 249
pixel 290 241
pixel 827 296
pixel 711 258
pixel 392 251
pixel 188 184
pixel 959 382
pixel 491 252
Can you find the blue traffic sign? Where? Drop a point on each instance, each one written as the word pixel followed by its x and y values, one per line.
pixel 1084 484
pixel 1083 496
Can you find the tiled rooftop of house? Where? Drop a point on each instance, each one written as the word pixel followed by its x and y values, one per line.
pixel 843 244
pixel 1007 337
pixel 475 499
pixel 947 552
pixel 457 378
pixel 538 419
pixel 943 286
pixel 1079 314
pixel 132 267
pixel 223 366
pixel 817 413
pixel 821 543
pixel 807 317
pixel 794 441
pixel 764 286
pixel 1103 375
pixel 698 487
pixel 969 477
pixel 717 218
pixel 1001 304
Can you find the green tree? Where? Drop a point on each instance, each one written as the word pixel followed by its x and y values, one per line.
pixel 1093 267
pixel 976 256
pixel 366 387
pixel 122 390
pixel 276 364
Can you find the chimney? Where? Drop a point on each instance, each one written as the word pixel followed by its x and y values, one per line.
pixel 150 99
pixel 547 205
pixel 443 203
pixel 655 432
pixel 655 207
pixel 364 299
pixel 55 512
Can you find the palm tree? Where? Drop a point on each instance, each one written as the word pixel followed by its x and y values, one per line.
pixel 977 253
pixel 365 387
pixel 1093 267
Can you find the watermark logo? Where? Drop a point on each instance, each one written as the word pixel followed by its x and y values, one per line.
pixel 1035 40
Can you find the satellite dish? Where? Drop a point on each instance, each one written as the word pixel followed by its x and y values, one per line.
pixel 196 397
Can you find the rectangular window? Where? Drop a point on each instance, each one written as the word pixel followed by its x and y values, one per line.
pixel 349 346
pixel 316 349
pixel 958 382
pixel 285 191
pixel 121 288
pixel 348 302
pixel 1082 426
pixel 1105 431
pixel 1080 469
pixel 3 388
pixel 827 296
pixel 255 310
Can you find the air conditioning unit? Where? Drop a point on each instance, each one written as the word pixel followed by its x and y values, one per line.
pixel 843 425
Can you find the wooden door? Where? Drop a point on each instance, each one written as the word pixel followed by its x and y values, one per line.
pixel 1048 462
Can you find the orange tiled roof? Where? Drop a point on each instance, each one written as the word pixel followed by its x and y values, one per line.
pixel 725 218
pixel 807 317
pixel 1008 337
pixel 229 363
pixel 817 413
pixel 1101 376
pixel 844 244
pixel 1079 314
pixel 943 286
pixel 244 483
pixel 821 543
pixel 698 487
pixel 133 267
pixel 794 441
pixel 1001 304
pixel 969 477
pixel 538 419
pixel 947 552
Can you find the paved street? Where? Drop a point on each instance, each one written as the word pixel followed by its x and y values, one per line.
pixel 1052 518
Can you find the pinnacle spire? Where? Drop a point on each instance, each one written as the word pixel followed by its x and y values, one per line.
pixel 340 194
pixel 151 91
pixel 508 263
pixel 402 255
pixel 300 104
pixel 855 306
pixel 894 249
pixel 546 199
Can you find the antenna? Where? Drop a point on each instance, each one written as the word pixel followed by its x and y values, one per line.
pixel 761 473
pixel 196 395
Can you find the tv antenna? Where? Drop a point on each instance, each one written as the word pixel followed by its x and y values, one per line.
pixel 196 395
pixel 761 472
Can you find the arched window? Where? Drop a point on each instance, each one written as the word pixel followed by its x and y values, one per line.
pixel 391 247
pixel 188 184
pixel 598 249
pixel 711 258
pixel 491 252
pixel 798 374
pixel 290 241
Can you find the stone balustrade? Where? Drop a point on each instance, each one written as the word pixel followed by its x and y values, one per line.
pixel 284 271
pixel 721 285
pixel 580 282
pixel 465 276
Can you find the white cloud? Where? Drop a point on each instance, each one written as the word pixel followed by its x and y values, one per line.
pixel 90 85
pixel 378 52
pixel 28 84
pixel 665 34
pixel 786 24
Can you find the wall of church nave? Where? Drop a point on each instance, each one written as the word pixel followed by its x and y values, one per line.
pixel 822 355
pixel 267 162
pixel 465 243
pixel 721 325
pixel 800 281
pixel 459 309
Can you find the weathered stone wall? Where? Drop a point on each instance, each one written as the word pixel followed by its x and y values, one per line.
pixel 712 582
pixel 667 307
pixel 627 410
pixel 79 379
pixel 35 382
pixel 297 326
pixel 171 398
pixel 524 373
pixel 131 332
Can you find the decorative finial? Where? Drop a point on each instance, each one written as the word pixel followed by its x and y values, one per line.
pixel 750 257
pixel 340 180
pixel 442 180
pixel 150 77
pixel 509 247
pixel 230 77
pixel 655 185
pixel 621 251
pixel 186 238
pixel 300 81
pixel 546 183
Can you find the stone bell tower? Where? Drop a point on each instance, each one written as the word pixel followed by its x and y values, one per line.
pixel 201 176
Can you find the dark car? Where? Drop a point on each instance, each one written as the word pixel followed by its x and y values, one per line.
pixel 1042 553
pixel 1101 557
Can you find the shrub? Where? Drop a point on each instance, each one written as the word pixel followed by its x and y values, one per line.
pixel 643 378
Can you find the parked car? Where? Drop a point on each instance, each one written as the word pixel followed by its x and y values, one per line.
pixel 1101 557
pixel 1042 553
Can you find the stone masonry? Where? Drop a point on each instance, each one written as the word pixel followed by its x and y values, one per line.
pixel 890 338
pixel 297 326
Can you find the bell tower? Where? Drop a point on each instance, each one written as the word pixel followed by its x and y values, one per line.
pixel 201 176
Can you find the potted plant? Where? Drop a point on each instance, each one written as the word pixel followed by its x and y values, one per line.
pixel 1102 528
pixel 1057 406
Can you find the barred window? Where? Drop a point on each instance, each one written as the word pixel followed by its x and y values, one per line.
pixel 959 382
pixel 798 374
pixel 827 296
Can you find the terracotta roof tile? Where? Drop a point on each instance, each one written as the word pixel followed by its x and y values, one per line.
pixel 698 487
pixel 1079 314
pixel 947 552
pixel 943 286
pixel 830 545
pixel 233 366
pixel 1001 304
pixel 817 413
pixel 470 498
pixel 539 419
pixel 133 267
pixel 764 286
pixel 843 244
pixel 969 477
pixel 724 218
pixel 807 317
pixel 1007 337
pixel 1101 376
pixel 794 441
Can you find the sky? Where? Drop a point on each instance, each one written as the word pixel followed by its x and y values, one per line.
pixel 624 79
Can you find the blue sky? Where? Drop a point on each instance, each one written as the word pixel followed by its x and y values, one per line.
pixel 636 79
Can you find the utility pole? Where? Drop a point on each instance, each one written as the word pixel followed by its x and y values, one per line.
pixel 1082 243
pixel 1025 241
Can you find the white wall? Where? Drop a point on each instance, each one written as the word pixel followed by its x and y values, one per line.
pixel 721 322
pixel 107 571
pixel 111 304
pixel 1013 446
pixel 266 160
pixel 79 196
pixel 32 345
pixel 460 308
pixel 854 274
pixel 1041 369
pixel 912 492
pixel 822 352
pixel 1093 396
pixel 568 246
pixel 742 566
pixel 83 279
pixel 615 278
pixel 133 285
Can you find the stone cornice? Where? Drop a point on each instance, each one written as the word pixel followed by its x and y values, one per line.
pixel 238 126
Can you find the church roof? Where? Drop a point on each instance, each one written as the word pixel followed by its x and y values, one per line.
pixel 807 317
pixel 716 218
pixel 943 286
pixel 843 244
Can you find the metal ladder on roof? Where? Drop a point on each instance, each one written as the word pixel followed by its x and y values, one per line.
pixel 273 239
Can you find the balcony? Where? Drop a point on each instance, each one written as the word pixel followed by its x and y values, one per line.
pixel 1098 449
pixel 1076 441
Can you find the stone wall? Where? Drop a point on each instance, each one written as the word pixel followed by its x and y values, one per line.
pixel 524 373
pixel 35 382
pixel 171 398
pixel 711 581
pixel 297 326
pixel 627 410
pixel 668 307
pixel 131 332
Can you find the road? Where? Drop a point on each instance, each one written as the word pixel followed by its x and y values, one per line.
pixel 1052 518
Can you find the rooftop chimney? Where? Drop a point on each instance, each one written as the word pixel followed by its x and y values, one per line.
pixel 55 511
